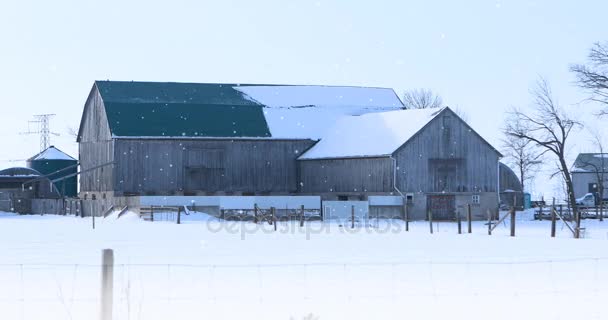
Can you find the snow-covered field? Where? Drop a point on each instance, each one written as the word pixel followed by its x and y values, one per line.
pixel 206 269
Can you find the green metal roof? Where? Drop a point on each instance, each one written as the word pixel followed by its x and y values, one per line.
pixel 165 109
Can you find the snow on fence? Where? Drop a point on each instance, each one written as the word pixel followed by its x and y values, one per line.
pixel 428 289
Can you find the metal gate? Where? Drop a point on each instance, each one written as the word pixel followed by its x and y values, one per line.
pixel 443 207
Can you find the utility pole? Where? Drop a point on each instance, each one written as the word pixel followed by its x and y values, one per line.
pixel 42 120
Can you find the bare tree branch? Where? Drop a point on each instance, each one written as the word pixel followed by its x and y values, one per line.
pixel 547 127
pixel 594 76
pixel 421 99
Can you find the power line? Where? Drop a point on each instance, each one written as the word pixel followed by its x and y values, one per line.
pixel 44 130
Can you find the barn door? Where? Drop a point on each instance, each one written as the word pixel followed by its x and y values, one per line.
pixel 443 207
pixel 204 170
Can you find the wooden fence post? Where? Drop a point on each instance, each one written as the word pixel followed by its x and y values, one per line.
pixel 107 283
pixel 459 221
pixel 513 222
pixel 274 217
pixel 489 222
pixel 255 213
pixel 407 216
pixel 352 217
pixel 302 216
pixel 179 214
pixel 577 231
pixel 553 219
pixel 430 213
pixel 469 218
pixel 93 218
pixel 222 214
pixel 151 213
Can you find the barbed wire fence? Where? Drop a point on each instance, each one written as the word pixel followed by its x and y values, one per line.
pixel 151 291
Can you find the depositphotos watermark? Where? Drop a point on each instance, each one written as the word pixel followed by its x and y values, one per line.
pixel 308 228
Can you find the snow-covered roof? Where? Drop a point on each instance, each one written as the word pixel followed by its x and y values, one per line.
pixel 52 153
pixel 373 134
pixel 307 112
pixel 322 96
pixel 208 110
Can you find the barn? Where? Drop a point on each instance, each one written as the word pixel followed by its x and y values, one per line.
pixel 144 143
pixel 430 157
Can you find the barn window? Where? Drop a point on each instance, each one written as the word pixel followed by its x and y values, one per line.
pixel 475 199
pixel 342 198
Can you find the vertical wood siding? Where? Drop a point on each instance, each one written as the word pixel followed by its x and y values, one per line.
pixel 473 164
pixel 164 166
pixel 96 146
pixel 346 175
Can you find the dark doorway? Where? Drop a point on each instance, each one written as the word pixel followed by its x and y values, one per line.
pixel 443 207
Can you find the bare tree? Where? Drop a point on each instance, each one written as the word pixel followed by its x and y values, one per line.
pixel 594 75
pixel 421 99
pixel 598 168
pixel 547 127
pixel 523 155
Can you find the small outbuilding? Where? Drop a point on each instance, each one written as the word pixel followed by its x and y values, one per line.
pixel 56 164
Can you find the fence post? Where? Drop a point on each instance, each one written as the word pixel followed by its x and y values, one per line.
pixel 255 213
pixel 222 214
pixel 151 213
pixel 352 217
pixel 553 219
pixel 107 283
pixel 93 218
pixel 407 216
pixel 489 223
pixel 430 213
pixel 302 216
pixel 179 213
pixel 274 217
pixel 513 221
pixel 459 221
pixel 469 218
pixel 577 233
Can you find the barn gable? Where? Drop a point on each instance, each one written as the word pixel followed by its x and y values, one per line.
pixel 376 134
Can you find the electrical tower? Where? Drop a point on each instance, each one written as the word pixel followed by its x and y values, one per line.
pixel 42 121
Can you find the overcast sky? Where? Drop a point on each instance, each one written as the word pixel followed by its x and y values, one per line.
pixel 481 56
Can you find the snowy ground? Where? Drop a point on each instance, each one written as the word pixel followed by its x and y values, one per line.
pixel 206 269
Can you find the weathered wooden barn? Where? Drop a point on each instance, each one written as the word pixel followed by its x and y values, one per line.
pixel 430 157
pixel 143 140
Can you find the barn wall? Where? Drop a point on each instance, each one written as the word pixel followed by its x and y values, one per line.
pixel 360 175
pixel 96 146
pixel 175 166
pixel 468 160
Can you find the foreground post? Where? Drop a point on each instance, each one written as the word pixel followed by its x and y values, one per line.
pixel 431 220
pixel 577 231
pixel 469 217
pixel 513 221
pixel 352 217
pixel 553 219
pixel 489 223
pixel 407 217
pixel 459 222
pixel 302 216
pixel 107 283
pixel 274 217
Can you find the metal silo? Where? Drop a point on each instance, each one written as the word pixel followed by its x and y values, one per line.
pixel 51 162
